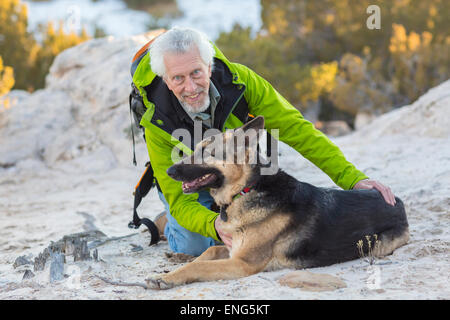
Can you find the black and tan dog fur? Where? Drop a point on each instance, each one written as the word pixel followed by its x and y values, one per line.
pixel 281 222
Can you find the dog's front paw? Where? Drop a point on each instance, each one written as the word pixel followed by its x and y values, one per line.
pixel 157 283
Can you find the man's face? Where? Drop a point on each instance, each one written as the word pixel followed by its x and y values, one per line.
pixel 187 76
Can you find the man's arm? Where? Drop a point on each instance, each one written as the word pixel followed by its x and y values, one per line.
pixel 300 134
pixel 185 208
pixel 296 131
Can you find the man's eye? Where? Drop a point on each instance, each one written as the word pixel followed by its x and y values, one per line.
pixel 196 72
pixel 177 78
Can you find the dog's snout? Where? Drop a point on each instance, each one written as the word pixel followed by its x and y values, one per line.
pixel 172 171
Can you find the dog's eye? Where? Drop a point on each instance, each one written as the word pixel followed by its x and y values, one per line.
pixel 209 153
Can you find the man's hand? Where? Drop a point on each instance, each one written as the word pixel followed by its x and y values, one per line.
pixel 226 237
pixel 371 184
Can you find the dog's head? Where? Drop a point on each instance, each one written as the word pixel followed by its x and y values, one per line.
pixel 222 161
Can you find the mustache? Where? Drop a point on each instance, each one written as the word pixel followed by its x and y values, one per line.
pixel 197 91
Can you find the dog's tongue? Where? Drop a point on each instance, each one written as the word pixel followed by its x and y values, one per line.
pixel 190 184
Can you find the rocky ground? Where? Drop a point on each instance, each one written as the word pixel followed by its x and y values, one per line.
pixel 65 168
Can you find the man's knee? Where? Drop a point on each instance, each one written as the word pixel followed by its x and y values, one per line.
pixel 182 240
pixel 192 245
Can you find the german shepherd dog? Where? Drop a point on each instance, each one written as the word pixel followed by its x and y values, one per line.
pixel 279 222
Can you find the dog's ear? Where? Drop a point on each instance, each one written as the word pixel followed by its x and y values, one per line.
pixel 246 139
pixel 256 124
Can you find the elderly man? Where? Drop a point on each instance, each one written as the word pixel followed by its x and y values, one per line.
pixel 184 78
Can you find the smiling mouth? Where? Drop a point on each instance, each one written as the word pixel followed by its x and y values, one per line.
pixel 199 183
pixel 193 97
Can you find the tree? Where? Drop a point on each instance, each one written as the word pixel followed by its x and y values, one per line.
pixel 30 59
pixel 54 41
pixel 302 41
pixel 16 43
pixel 417 62
pixel 6 80
pixel 355 90
pixel 276 62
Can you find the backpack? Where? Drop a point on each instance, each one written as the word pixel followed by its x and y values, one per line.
pixel 147 180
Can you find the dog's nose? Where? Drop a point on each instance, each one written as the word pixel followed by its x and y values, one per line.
pixel 172 171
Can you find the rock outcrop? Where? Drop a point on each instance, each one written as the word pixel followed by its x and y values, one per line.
pixel 81 120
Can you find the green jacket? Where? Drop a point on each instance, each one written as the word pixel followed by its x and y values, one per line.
pixel 242 92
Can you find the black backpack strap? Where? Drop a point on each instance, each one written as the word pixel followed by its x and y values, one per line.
pixel 142 188
pixel 132 130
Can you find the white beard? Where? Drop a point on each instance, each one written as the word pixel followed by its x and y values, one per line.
pixel 192 109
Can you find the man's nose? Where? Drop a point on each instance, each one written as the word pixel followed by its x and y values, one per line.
pixel 190 85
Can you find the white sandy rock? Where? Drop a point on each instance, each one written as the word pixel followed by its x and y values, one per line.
pixel 429 116
pixel 83 108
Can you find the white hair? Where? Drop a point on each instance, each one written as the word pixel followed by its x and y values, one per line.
pixel 179 40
